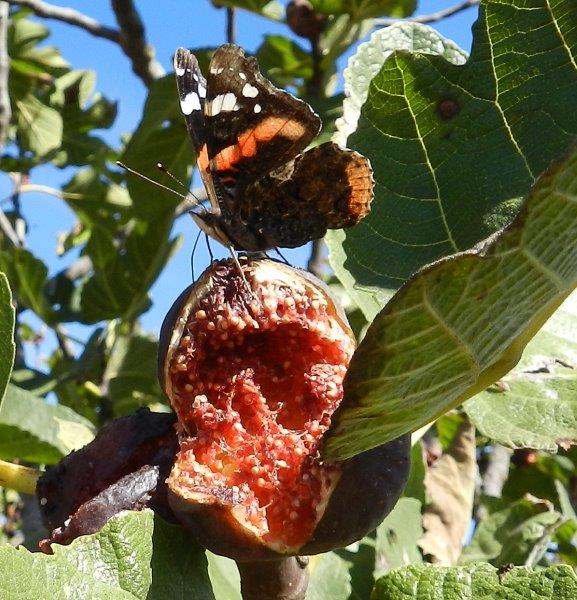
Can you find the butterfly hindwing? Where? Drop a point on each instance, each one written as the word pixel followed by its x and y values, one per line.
pixel 326 187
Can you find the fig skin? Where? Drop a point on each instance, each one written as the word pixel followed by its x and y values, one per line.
pixel 367 489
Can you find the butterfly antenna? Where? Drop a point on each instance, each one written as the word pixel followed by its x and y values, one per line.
pixel 188 196
pixel 164 170
pixel 206 239
pixel 283 258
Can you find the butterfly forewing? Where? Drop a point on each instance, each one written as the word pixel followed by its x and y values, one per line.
pixel 253 126
pixel 192 94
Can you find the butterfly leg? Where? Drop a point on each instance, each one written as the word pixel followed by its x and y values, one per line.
pixel 208 247
pixel 241 272
pixel 193 253
pixel 286 262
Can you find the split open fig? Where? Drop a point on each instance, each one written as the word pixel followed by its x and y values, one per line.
pixel 253 365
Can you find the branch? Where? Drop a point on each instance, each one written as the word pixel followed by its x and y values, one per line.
pixel 5 108
pixel 280 579
pixel 19 478
pixel 433 17
pixel 70 16
pixel 133 42
pixel 230 26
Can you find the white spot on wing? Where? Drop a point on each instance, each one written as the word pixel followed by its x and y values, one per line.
pixel 195 76
pixel 201 90
pixel 190 103
pixel 242 75
pixel 257 108
pixel 179 71
pixel 216 70
pixel 222 103
pixel 249 91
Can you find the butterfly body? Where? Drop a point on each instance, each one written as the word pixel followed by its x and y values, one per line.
pixel 250 137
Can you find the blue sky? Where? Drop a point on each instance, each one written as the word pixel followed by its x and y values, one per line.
pixel 169 24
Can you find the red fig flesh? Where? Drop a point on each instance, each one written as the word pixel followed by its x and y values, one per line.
pixel 253 367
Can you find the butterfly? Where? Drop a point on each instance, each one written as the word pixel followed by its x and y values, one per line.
pixel 265 191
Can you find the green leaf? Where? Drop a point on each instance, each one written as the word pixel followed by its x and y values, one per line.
pixel 33 430
pixel 7 346
pixel 535 406
pixel 363 66
pixel 462 323
pixel 27 275
pixel 133 557
pixel 162 127
pixel 39 126
pixel 23 35
pixel 512 535
pixel 179 567
pixel 97 202
pixel 72 92
pixel 477 582
pixel 454 146
pixel 123 276
pixel 271 9
pixel 364 9
pixel 329 578
pixel 415 487
pixel 397 537
pixel 131 373
pixel 283 61
pixel 224 577
pixel 538 475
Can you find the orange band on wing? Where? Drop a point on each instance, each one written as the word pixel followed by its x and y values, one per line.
pixel 246 146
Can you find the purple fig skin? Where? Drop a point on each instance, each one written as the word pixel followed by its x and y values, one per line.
pixel 120 449
pixel 367 490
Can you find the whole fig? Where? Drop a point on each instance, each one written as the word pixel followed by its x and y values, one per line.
pixel 253 364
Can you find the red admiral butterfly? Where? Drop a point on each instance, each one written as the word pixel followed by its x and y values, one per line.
pixel 248 136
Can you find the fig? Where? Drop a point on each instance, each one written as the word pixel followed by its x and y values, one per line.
pixel 123 468
pixel 303 20
pixel 253 364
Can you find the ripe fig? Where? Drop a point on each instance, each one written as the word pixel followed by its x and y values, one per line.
pixel 253 366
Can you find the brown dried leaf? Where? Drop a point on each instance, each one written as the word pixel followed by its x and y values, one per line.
pixel 450 484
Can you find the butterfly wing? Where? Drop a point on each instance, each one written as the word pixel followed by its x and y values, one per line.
pixel 252 126
pixel 192 91
pixel 327 187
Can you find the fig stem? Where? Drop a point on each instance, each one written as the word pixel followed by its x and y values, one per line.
pixel 19 478
pixel 282 579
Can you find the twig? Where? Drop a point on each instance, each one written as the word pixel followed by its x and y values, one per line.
pixel 64 342
pixel 134 44
pixel 314 84
pixel 316 262
pixel 70 16
pixel 8 230
pixel 5 108
pixel 230 26
pixel 433 17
